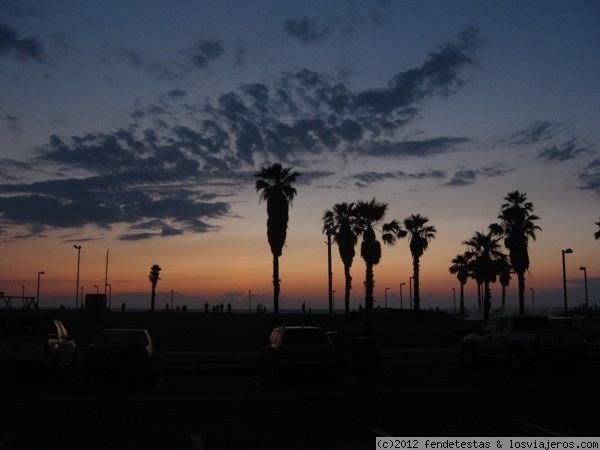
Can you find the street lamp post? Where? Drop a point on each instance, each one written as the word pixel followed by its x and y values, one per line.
pixel 78 248
pixel 249 301
pixel 565 283
pixel 386 289
pixel 333 299
pixel 96 286
pixel 586 290
pixel 37 303
pixel 401 284
pixel 171 299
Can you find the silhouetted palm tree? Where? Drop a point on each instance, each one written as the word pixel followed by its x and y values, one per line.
pixel 517 226
pixel 276 186
pixel 420 236
pixel 370 214
pixel 460 267
pixel 485 260
pixel 154 277
pixel 597 233
pixel 343 220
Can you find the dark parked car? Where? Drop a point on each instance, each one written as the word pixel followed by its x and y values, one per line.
pixel 296 350
pixel 123 352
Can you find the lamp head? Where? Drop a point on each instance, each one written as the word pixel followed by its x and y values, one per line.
pixel 568 251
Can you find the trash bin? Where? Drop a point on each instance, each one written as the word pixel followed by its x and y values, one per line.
pixel 338 339
pixel 365 354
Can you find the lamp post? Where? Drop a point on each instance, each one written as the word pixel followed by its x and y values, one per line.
pixel 586 290
pixel 37 303
pixel 401 284
pixel 330 232
pixel 565 283
pixel 78 248
pixel 249 301
pixel 333 299
pixel 171 299
pixel 454 294
pixel 81 297
pixel 532 299
pixel 96 286
pixel 386 289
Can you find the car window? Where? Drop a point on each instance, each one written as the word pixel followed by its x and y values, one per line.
pixel 121 337
pixel 488 327
pixel 531 324
pixel 305 336
pixel 502 325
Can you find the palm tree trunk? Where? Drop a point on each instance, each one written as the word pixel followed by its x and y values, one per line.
pixel 462 300
pixel 487 303
pixel 417 298
pixel 369 285
pixel 521 278
pixel 153 298
pixel 348 288
pixel 276 288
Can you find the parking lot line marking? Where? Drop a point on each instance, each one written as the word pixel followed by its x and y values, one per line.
pixel 5 440
pixel 197 442
pixel 347 380
pixel 544 429
pixel 380 433
pixel 254 382
pixel 428 377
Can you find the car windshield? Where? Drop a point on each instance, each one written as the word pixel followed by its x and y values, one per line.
pixel 28 328
pixel 121 337
pixel 305 336
pixel 531 324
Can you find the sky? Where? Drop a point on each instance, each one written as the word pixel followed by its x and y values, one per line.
pixel 134 130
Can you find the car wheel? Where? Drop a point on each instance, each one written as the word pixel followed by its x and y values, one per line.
pixel 515 361
pixel 469 358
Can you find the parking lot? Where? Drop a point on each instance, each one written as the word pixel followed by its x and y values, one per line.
pixel 214 407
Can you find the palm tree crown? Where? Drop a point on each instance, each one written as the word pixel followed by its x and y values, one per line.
pixel 154 276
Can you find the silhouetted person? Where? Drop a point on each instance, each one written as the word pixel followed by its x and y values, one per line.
pixel 229 308
pixel 123 308
pixel 303 307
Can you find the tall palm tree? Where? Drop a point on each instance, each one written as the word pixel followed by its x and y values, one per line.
pixel 485 261
pixel 460 267
pixel 370 214
pixel 597 233
pixel 276 186
pixel 517 225
pixel 420 236
pixel 154 277
pixel 343 220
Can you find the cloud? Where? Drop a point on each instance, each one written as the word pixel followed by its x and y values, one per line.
pixel 163 70
pixel 539 131
pixel 148 175
pixel 365 179
pixel 306 30
pixel 466 177
pixel 24 49
pixel 563 152
pixel 589 177
pixel 206 52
